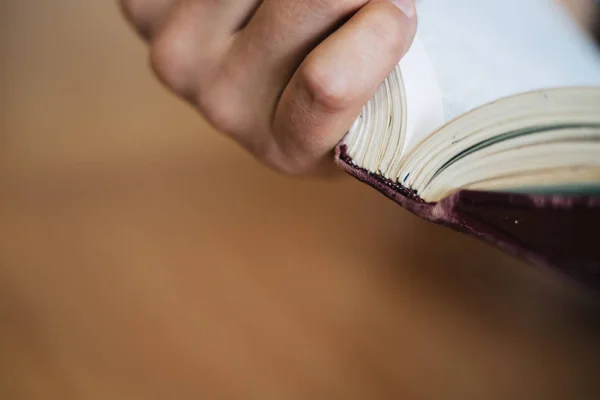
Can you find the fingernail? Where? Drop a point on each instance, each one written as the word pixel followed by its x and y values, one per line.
pixel 406 6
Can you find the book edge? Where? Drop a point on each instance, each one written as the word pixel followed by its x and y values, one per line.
pixel 459 213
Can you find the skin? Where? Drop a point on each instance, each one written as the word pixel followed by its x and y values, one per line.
pixel 284 78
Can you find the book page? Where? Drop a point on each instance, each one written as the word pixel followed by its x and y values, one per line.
pixel 481 51
pixel 423 98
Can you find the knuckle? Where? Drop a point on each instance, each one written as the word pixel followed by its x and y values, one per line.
pixel 136 12
pixel 225 105
pixel 169 61
pixel 139 14
pixel 327 91
pixel 132 8
pixel 222 116
pixel 164 61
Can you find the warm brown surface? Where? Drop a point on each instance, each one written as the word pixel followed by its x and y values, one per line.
pixel 144 257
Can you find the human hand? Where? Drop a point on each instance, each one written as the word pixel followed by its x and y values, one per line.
pixel 284 78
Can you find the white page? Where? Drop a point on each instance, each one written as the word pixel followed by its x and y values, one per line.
pixel 483 50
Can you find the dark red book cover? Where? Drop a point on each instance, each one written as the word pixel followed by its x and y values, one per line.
pixel 554 231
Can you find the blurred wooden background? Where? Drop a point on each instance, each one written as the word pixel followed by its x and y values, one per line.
pixel 143 256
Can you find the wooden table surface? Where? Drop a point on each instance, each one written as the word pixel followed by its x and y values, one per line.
pixel 143 256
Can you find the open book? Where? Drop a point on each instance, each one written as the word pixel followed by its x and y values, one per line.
pixel 491 125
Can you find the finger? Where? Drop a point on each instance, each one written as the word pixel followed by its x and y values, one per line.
pixel 327 92
pixel 291 27
pixel 196 35
pixel 278 37
pixel 147 15
pixel 265 54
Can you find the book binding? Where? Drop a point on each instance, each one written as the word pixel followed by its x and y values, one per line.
pixel 561 232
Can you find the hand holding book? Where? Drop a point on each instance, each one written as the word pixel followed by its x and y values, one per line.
pixel 490 124
pixel 495 134
pixel 284 78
